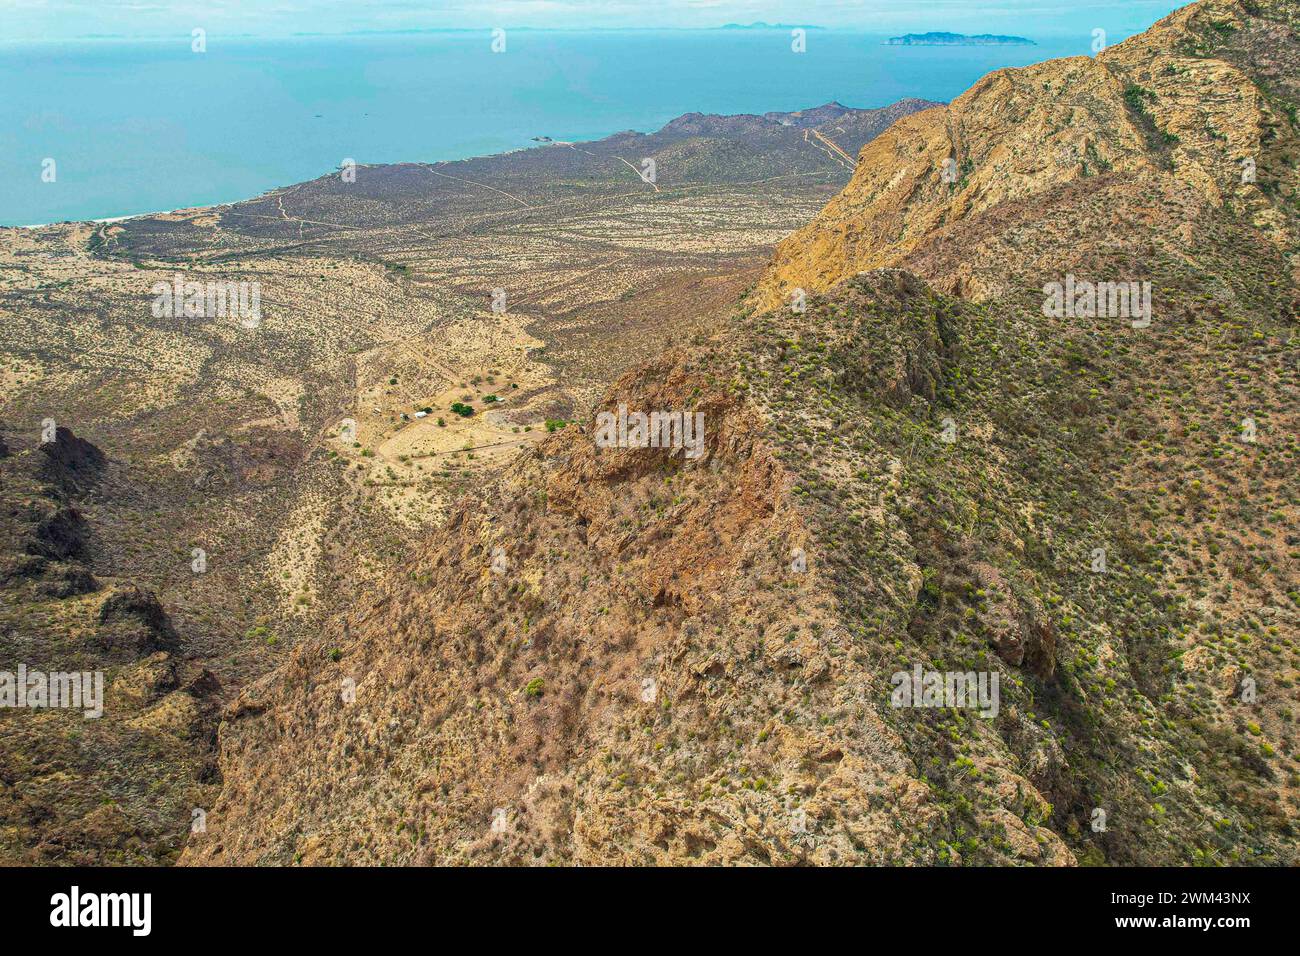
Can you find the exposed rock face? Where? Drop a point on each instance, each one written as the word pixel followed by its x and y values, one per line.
pixel 119 787
pixel 990 187
pixel 48 531
pixel 58 531
pixel 72 464
pixel 1019 629
pixel 648 679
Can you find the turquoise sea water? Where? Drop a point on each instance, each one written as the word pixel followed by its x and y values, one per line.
pixel 143 126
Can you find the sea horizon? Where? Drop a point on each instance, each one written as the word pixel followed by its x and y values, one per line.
pixel 174 131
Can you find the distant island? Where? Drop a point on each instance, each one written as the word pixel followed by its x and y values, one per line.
pixel 957 39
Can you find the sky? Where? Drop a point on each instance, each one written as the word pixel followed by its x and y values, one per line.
pixel 24 20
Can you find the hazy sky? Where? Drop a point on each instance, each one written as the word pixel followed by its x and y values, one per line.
pixel 65 19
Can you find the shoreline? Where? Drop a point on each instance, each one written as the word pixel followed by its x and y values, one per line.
pixel 111 219
pixel 533 144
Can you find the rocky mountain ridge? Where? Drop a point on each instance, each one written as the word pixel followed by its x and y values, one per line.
pixel 621 655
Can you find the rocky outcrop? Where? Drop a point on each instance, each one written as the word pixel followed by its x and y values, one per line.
pixel 255 458
pixel 621 655
pixel 133 624
pixel 71 464
pixel 48 535
pixel 136 768
pixel 58 531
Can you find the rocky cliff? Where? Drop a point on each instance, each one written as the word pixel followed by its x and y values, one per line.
pixel 1036 170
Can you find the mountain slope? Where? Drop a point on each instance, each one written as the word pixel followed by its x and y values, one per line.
pixel 526 690
pixel 117 787
pixel 1075 158
pixel 633 656
pixel 768 735
pixel 225 438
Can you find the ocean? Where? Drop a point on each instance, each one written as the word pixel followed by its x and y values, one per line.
pixel 143 126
